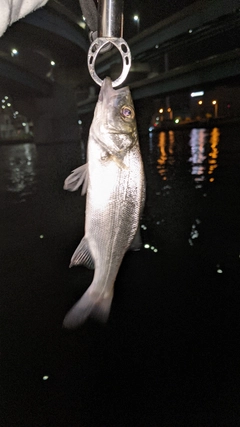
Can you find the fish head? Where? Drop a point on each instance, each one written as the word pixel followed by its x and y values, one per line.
pixel 115 115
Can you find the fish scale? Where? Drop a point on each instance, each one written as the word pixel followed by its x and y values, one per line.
pixel 115 199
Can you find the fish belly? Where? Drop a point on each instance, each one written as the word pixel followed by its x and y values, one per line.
pixel 113 210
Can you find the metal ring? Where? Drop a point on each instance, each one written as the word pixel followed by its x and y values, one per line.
pixel 124 50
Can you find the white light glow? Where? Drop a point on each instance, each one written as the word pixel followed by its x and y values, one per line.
pixel 45 377
pixel 8 104
pixel 52 63
pixel 200 93
pixel 14 52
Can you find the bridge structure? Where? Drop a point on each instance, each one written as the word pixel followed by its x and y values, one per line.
pixel 193 48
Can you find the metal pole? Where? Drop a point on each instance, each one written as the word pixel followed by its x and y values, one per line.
pixel 110 14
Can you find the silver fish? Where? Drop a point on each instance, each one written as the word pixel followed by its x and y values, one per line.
pixel 113 178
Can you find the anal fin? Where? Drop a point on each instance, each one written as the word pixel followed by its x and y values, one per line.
pixel 82 255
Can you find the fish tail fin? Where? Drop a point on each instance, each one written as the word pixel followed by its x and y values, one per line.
pixel 90 305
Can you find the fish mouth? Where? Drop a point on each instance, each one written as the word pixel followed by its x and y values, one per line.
pixel 107 90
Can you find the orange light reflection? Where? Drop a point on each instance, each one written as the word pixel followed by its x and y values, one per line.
pixel 213 155
pixel 166 152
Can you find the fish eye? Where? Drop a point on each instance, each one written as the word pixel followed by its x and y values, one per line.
pixel 127 112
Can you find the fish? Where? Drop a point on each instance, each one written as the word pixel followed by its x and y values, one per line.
pixel 114 183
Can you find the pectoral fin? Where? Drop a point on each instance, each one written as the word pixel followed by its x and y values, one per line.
pixel 78 177
pixel 82 255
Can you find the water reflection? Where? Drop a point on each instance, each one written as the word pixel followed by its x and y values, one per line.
pixel 18 163
pixel 213 155
pixel 194 233
pixel 166 142
pixel 197 143
pixel 198 140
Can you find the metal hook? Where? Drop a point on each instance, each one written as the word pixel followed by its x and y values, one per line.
pixel 124 50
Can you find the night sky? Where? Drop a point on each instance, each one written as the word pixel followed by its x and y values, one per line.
pixel 150 12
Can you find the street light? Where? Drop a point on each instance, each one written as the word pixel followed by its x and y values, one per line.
pixel 214 102
pixel 161 112
pixel 14 52
pixel 137 20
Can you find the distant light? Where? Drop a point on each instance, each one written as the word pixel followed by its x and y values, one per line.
pixel 79 122
pixel 190 30
pixel 177 121
pixel 169 110
pixel 200 102
pixel 161 110
pixel 53 63
pixel 157 46
pixel 6 97
pixel 136 18
pixel 155 250
pixel 24 124
pixel 3 100
pixel 14 52
pixel 200 93
pixel 45 377
pixel 147 246
pixel 41 236
pixel 150 129
pixel 84 19
pixel 8 104
pixel 16 112
pixel 219 270
pixel 214 102
pixel 3 106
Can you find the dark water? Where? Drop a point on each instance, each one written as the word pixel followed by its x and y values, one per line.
pixel 169 355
